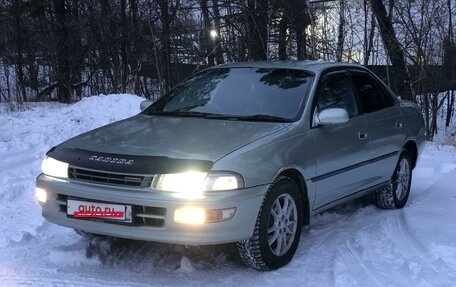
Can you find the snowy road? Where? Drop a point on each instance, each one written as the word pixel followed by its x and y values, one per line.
pixel 354 245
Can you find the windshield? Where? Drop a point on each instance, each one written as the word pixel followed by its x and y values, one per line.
pixel 238 93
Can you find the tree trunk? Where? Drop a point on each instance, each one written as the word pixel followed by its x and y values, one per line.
pixel 165 41
pixel 450 107
pixel 77 58
pixel 136 50
pixel 300 18
pixel 256 13
pixel 341 32
pixel 301 43
pixel 207 37
pixel 370 42
pixel 124 71
pixel 402 81
pixel 22 96
pixel 283 39
pixel 434 109
pixel 450 21
pixel 450 95
pixel 63 72
pixel 218 39
pixel 425 105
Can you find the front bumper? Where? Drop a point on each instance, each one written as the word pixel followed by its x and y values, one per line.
pixel 246 201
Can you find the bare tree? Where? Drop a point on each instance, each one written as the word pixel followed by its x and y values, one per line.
pixel 394 49
pixel 256 19
pixel 207 40
pixel 368 33
pixel 450 64
pixel 217 25
pixel 65 49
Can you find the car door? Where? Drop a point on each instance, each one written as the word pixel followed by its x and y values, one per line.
pixel 387 131
pixel 341 149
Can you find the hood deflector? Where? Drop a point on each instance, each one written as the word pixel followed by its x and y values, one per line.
pixel 122 163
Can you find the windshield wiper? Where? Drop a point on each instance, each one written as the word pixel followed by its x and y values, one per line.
pixel 182 114
pixel 258 118
pixel 264 118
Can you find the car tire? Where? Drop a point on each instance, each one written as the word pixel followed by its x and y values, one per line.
pixel 88 235
pixel 277 232
pixel 397 193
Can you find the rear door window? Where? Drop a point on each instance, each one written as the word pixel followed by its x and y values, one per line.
pixel 371 96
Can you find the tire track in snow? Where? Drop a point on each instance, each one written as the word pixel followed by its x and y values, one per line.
pixel 49 281
pixel 397 230
pixel 22 161
pixel 357 267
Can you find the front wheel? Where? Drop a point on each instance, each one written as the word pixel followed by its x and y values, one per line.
pixel 278 227
pixel 397 193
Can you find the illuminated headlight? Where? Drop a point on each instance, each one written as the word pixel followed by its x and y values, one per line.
pixel 192 184
pixel 53 167
pixel 223 181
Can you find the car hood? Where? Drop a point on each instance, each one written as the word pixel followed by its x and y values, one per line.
pixel 173 137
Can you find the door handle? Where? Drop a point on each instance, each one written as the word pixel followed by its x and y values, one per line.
pixel 398 125
pixel 362 135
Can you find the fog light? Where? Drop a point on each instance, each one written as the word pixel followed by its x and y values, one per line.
pixel 196 215
pixel 41 195
pixel 190 215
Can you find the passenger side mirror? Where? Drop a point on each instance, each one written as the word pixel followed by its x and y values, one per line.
pixel 145 104
pixel 331 116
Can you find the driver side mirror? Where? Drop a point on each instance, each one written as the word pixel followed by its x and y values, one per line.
pixel 331 116
pixel 145 104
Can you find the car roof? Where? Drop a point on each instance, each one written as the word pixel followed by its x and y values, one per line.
pixel 314 66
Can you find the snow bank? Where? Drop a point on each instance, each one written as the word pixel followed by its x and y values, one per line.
pixel 24 139
pixel 44 126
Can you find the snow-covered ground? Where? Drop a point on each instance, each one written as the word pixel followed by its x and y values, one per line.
pixel 354 245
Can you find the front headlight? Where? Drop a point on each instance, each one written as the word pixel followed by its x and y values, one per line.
pixel 223 181
pixel 53 167
pixel 193 184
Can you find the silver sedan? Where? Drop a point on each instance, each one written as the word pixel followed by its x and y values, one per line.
pixel 241 153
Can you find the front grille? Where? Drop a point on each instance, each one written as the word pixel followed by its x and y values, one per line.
pixel 149 216
pixel 103 177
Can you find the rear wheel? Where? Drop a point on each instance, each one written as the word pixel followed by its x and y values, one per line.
pixel 278 228
pixel 397 193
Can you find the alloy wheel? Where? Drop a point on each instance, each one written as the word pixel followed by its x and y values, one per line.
pixel 282 224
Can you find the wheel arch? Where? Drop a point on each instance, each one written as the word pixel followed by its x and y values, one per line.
pixel 297 177
pixel 412 148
